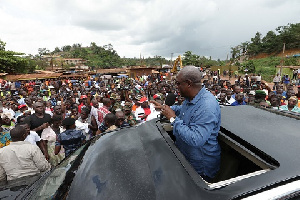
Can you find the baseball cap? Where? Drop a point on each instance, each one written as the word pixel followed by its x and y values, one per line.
pixel 143 99
pixel 83 97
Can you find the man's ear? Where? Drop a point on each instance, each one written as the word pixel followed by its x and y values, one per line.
pixel 189 82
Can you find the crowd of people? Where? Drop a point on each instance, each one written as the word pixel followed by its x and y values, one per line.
pixel 43 121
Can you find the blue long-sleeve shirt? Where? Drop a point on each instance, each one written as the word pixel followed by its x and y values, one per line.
pixel 196 128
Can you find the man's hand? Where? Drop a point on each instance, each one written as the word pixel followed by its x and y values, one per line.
pixel 45 125
pixel 165 110
pixel 47 156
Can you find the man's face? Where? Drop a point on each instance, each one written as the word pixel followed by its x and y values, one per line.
pixel 57 110
pixel 27 128
pixel 84 115
pixel 120 118
pixel 6 121
pixel 237 89
pixel 57 123
pixel 39 107
pixel 95 104
pixel 274 102
pixel 292 102
pixel 222 96
pixel 181 85
pixel 239 97
pixel 127 112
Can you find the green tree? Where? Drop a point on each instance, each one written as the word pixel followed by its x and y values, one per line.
pixel 270 42
pixel 255 47
pixel 2 45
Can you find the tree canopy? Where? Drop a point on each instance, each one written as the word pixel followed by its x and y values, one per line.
pixel 272 42
pixel 13 62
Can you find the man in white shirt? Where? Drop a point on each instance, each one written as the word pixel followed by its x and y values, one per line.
pixel 20 158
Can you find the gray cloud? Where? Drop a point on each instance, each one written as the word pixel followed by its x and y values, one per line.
pixel 151 27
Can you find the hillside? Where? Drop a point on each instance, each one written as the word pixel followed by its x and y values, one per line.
pixel 288 52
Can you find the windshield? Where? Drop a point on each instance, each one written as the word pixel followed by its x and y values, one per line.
pixel 50 185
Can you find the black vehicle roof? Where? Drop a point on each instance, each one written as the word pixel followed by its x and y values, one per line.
pixel 274 134
pixel 133 163
pixel 142 162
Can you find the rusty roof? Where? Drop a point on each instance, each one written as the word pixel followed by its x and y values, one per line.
pixel 32 76
pixel 108 71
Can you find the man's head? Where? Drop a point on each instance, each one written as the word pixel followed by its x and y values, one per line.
pixel 26 126
pixel 109 119
pixel 39 107
pixel 28 101
pixel 188 81
pixel 6 118
pixel 56 120
pixel 106 102
pixel 222 97
pixel 18 134
pixel 95 103
pixel 120 118
pixel 293 100
pixel 239 97
pixel 69 123
pixel 127 108
pixel 84 113
pixel 275 101
pixel 237 89
pixel 57 110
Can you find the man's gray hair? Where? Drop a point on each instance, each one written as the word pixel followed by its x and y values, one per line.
pixel 191 73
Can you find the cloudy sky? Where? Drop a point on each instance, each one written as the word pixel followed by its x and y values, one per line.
pixel 146 27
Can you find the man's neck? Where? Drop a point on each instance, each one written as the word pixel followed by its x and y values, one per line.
pixel 39 114
pixel 194 93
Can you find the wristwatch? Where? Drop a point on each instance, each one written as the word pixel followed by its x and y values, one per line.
pixel 172 119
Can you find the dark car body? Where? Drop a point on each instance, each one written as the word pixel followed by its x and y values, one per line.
pixel 259 154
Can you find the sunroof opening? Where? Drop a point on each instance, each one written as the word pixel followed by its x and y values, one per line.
pixel 240 160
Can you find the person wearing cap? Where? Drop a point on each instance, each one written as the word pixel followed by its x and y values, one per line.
pixel 143 111
pixel 129 116
pixel 21 110
pixel 156 96
pixel 196 123
pixel 7 121
pixel 70 139
pixel 21 158
pixel 136 103
pixel 117 104
pixel 83 102
pixel 292 105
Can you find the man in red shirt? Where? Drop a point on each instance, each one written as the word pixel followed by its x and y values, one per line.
pixel 102 111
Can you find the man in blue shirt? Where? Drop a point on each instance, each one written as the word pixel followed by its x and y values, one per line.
pixel 239 100
pixel 196 123
pixel 70 139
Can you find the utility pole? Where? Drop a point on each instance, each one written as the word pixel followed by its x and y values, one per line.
pixel 171 59
pixel 282 60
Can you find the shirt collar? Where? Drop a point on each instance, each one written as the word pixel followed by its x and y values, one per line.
pixel 198 96
pixel 19 143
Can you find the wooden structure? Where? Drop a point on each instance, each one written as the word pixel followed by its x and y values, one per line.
pixel 135 71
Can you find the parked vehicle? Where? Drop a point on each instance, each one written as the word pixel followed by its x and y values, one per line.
pixel 259 161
